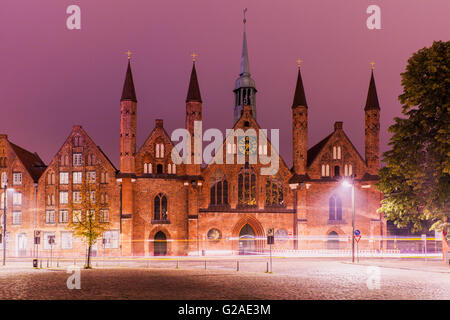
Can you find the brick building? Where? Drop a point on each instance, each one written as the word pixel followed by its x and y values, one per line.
pixel 155 206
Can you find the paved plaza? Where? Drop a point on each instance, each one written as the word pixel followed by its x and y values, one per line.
pixel 292 278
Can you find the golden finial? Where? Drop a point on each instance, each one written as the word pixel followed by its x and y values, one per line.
pixel 129 54
pixel 299 63
pixel 372 65
pixel 194 56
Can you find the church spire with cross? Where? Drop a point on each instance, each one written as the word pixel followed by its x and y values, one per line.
pixel 244 90
pixel 194 89
pixel 128 92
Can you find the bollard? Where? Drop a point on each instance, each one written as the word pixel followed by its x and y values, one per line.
pixel 41 263
pixel 205 264
pixel 237 265
pixel 57 263
pixel 177 265
pixel 267 268
pixel 47 263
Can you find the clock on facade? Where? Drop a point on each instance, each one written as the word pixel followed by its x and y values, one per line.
pixel 247 145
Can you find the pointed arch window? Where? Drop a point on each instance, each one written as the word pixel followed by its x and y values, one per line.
pixel 219 190
pixel 160 207
pixel 247 187
pixel 77 141
pixel 274 192
pixel 325 170
pixel 348 170
pixel 335 208
pixel 147 167
pixel 159 150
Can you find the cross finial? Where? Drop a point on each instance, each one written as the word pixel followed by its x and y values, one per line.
pixel 299 63
pixel 372 65
pixel 129 54
pixel 194 57
pixel 245 10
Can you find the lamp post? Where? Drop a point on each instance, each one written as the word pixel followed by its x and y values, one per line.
pixel 351 184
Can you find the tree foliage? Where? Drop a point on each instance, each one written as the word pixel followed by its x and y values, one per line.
pixel 415 180
pixel 90 225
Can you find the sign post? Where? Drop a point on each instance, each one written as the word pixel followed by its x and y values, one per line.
pixel 357 237
pixel 270 242
pixel 51 242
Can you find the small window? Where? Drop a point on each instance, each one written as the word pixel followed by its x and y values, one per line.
pixel 77 177
pixel 17 217
pixel 111 239
pixel 17 198
pixel 17 178
pixel 63 178
pixel 91 176
pixel 63 197
pixel 66 240
pixel 76 197
pixel 77 159
pixel 76 216
pixel 50 216
pixel 63 216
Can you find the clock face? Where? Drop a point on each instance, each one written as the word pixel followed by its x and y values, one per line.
pixel 247 145
pixel 213 234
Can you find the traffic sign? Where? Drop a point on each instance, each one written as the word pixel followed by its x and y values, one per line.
pixel 357 232
pixel 357 238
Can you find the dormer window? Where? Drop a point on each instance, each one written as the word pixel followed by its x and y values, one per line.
pixel 159 150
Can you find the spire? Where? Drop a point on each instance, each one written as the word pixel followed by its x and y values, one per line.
pixel 128 92
pixel 245 66
pixel 194 89
pixel 372 97
pixel 299 95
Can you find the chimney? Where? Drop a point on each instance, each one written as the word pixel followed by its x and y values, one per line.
pixel 159 123
pixel 338 125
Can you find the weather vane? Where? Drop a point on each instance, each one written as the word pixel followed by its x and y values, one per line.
pixel 129 54
pixel 299 63
pixel 372 65
pixel 194 56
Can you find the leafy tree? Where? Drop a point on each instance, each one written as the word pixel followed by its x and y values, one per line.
pixel 90 224
pixel 416 180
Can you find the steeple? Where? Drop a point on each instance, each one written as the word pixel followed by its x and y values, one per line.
pixel 128 92
pixel 299 95
pixel 244 89
pixel 372 97
pixel 194 89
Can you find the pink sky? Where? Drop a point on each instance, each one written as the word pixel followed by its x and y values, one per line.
pixel 53 78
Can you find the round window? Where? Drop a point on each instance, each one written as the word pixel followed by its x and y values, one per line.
pixel 213 234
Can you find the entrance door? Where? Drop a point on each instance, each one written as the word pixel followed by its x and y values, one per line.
pixel 160 244
pixel 247 243
pixel 333 241
pixel 21 244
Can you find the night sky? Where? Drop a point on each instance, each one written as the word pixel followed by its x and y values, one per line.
pixel 52 78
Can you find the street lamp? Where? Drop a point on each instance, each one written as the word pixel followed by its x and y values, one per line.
pixel 348 184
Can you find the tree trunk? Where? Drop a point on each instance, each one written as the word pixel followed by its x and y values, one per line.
pixel 88 258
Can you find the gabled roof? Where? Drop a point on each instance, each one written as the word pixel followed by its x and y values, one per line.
pixel 31 161
pixel 314 151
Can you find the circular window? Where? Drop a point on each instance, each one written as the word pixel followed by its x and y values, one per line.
pixel 281 235
pixel 213 234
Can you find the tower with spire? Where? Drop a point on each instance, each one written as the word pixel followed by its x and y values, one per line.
pixel 128 106
pixel 193 114
pixel 372 128
pixel 244 89
pixel 299 126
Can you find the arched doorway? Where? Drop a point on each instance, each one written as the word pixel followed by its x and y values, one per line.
pixel 333 241
pixel 247 241
pixel 160 244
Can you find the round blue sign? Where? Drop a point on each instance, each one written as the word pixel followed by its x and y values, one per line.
pixel 357 232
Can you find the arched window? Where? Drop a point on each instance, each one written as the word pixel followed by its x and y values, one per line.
pixel 147 168
pixel 159 150
pixel 219 190
pixel 160 207
pixel 335 208
pixel 348 170
pixel 325 170
pixel 274 192
pixel 247 187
